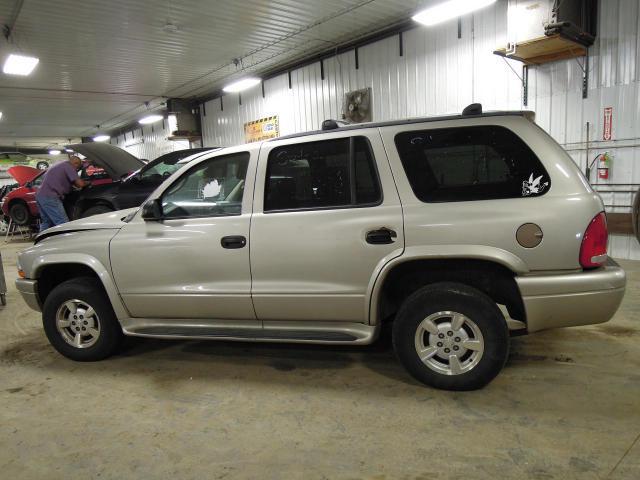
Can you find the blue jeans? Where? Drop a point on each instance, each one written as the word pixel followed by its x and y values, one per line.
pixel 51 212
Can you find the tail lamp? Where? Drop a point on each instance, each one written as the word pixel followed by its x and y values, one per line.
pixel 593 251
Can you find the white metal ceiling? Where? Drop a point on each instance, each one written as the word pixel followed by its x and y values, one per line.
pixel 101 60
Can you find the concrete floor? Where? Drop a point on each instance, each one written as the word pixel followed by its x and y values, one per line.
pixel 566 406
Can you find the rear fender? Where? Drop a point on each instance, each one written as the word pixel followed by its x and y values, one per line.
pixel 437 252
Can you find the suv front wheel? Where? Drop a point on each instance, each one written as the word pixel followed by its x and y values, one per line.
pixel 451 336
pixel 79 321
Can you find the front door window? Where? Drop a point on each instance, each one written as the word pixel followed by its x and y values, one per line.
pixel 212 188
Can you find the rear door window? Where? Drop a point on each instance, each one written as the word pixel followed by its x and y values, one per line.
pixel 470 163
pixel 335 173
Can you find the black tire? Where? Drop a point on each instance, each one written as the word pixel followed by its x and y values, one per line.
pixel 42 165
pixel 87 290
pixel 471 303
pixel 19 213
pixel 96 210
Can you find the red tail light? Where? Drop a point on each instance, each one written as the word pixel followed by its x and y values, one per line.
pixel 593 252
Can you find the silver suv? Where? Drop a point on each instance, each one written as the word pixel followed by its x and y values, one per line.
pixel 458 230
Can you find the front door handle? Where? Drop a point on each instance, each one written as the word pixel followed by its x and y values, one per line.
pixel 233 241
pixel 381 236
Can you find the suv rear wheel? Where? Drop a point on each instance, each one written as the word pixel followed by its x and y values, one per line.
pixel 79 321
pixel 451 336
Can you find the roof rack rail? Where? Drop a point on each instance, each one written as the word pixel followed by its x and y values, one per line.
pixel 473 109
pixel 331 124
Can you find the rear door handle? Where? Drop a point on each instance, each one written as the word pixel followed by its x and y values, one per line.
pixel 381 236
pixel 233 241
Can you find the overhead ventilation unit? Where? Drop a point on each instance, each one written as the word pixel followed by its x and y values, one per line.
pixel 357 106
pixel 543 31
pixel 187 120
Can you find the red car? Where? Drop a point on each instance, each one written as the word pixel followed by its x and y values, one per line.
pixel 18 201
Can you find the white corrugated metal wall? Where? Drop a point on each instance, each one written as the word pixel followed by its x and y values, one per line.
pixel 149 141
pixel 440 73
pixel 614 81
pixel 437 74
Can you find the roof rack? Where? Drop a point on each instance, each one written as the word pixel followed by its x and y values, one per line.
pixel 473 110
pixel 331 124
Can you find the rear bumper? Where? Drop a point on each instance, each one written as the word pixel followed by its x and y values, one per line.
pixel 29 291
pixel 569 300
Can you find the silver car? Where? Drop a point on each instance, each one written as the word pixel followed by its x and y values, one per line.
pixel 458 230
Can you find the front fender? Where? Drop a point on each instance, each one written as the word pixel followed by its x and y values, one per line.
pixel 43 261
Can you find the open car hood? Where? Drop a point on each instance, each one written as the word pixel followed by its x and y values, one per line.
pixel 23 174
pixel 115 161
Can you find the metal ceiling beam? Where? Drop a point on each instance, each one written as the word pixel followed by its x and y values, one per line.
pixel 8 27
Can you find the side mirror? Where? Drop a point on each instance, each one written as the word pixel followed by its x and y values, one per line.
pixel 152 211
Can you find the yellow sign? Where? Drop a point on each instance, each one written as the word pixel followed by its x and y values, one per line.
pixel 262 129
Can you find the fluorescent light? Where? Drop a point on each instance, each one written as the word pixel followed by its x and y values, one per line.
pixel 54 152
pixel 19 65
pixel 448 10
pixel 101 138
pixel 0 114
pixel 150 119
pixel 172 120
pixel 68 150
pixel 241 85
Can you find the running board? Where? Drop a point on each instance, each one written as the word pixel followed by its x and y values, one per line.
pixel 333 333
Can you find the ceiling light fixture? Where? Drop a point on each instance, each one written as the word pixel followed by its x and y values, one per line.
pixel 150 119
pixel 241 85
pixel 449 10
pixel 0 114
pixel 68 150
pixel 54 152
pixel 19 65
pixel 101 138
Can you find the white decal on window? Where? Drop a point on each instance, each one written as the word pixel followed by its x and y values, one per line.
pixel 531 186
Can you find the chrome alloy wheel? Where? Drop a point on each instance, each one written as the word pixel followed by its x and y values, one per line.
pixel 78 323
pixel 449 343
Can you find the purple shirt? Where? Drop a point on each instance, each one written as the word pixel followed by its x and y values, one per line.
pixel 58 180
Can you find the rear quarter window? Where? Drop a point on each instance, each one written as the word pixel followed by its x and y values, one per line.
pixel 470 163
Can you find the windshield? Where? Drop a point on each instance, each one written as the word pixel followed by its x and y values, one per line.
pixel 167 164
pixel 164 168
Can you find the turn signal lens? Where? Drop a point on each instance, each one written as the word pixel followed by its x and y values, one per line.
pixel 21 274
pixel 593 252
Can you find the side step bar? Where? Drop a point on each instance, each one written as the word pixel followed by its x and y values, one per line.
pixel 331 333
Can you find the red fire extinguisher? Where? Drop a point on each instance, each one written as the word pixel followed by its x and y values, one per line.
pixel 604 166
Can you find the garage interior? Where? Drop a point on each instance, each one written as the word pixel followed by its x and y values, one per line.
pixel 567 403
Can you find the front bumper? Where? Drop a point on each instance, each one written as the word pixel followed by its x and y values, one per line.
pixel 29 291
pixel 569 300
